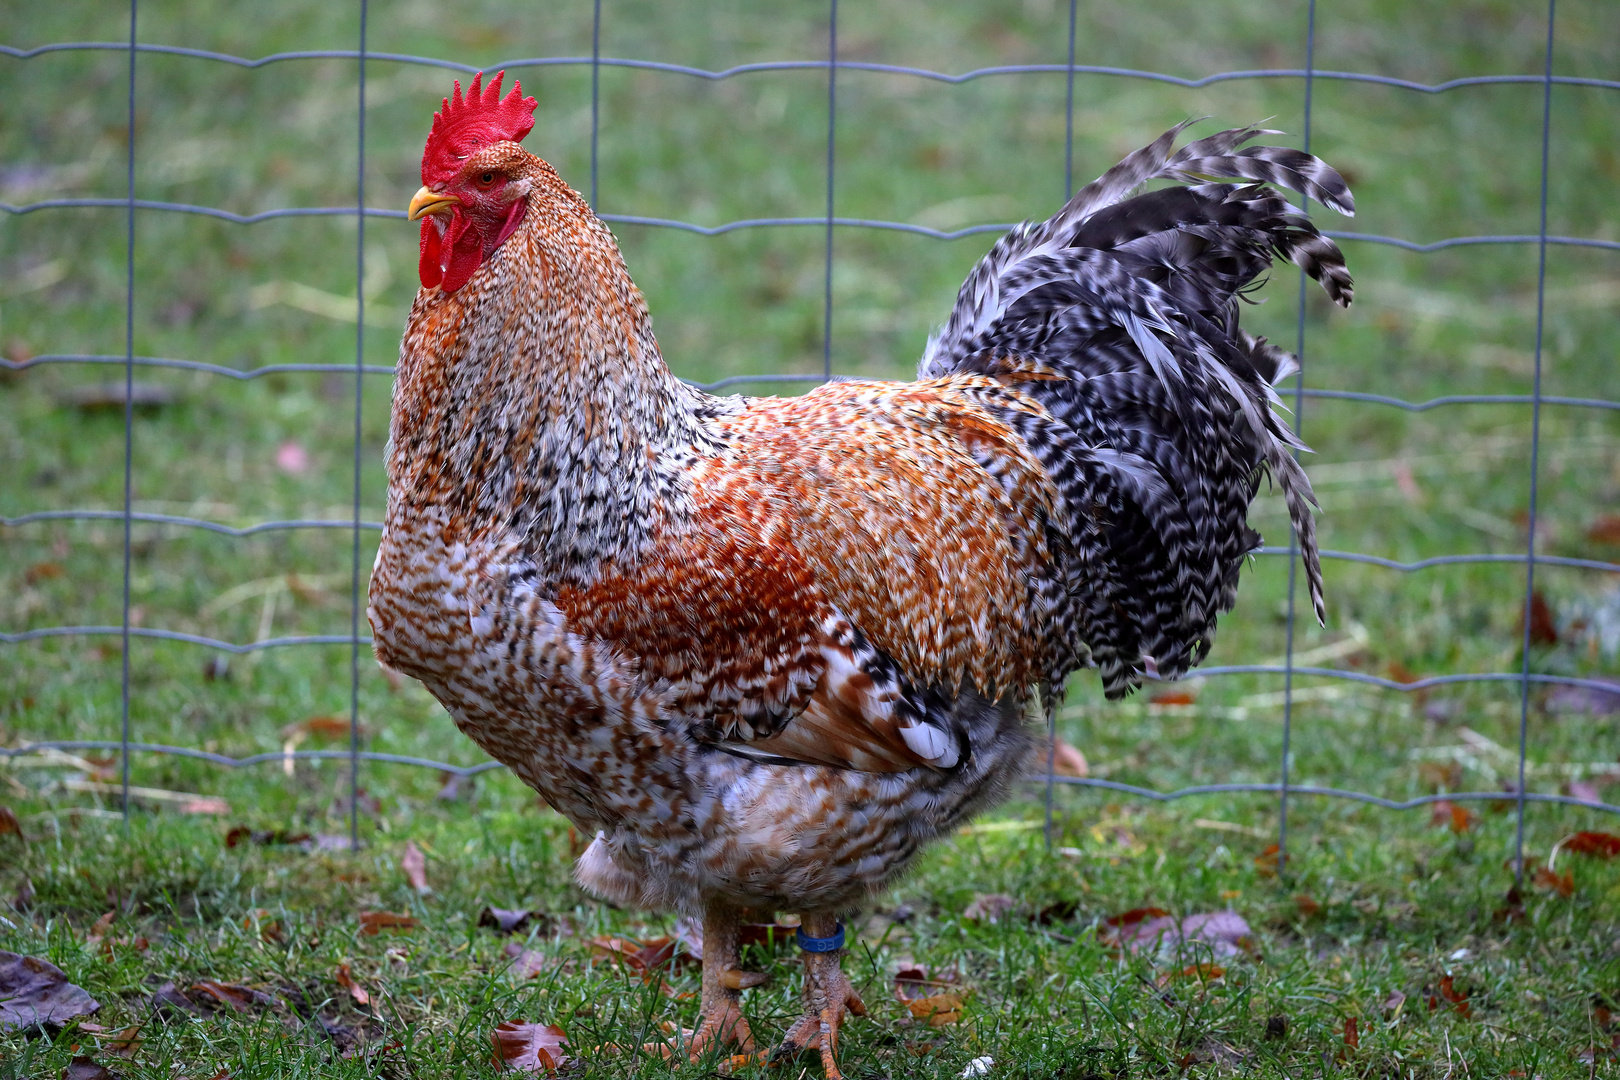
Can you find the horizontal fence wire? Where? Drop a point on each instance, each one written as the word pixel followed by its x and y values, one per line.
pixel 829 221
pixel 810 65
pixel 756 223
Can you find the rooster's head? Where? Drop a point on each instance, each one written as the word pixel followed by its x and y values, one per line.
pixel 474 188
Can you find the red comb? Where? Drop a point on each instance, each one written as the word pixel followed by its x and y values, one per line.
pixel 465 124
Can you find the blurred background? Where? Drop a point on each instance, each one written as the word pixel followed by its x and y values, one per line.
pixel 908 149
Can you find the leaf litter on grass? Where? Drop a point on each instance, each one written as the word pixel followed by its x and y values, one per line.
pixel 525 1047
pixel 36 993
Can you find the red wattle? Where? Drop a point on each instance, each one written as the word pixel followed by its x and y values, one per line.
pixel 430 266
pixel 466 252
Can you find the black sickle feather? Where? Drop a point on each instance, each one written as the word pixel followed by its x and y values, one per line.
pixel 1160 431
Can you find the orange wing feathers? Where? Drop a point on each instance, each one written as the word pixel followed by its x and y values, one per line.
pixel 863 502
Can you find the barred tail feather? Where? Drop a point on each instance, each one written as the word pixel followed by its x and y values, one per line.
pixel 1158 427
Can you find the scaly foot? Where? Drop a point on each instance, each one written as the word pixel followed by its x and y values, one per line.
pixel 720 1018
pixel 828 998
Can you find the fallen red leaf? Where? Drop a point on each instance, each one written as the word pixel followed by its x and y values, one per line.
pixel 1173 697
pixel 1599 845
pixel 1457 1000
pixel 346 980
pixel 324 727
pixel 1352 1037
pixel 1265 863
pixel 40 571
pixel 1456 817
pixel 1136 915
pixel 414 863
pixel 1543 627
pixel 1605 530
pixel 375 922
pixel 9 825
pixel 1307 904
pixel 1562 884
pixel 525 1046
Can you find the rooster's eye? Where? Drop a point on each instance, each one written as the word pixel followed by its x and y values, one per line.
pixel 486 180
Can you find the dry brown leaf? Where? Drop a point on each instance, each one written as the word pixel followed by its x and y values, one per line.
pixel 125 1043
pixel 87 1068
pixel 101 926
pixel 526 963
pixel 1223 933
pixel 988 907
pixel 1307 905
pixel 1599 845
pixel 644 957
pixel 373 923
pixel 414 863
pixel 934 1001
pixel 345 979
pixel 530 1047
pixel 35 991
pixel 237 998
pixel 42 571
pixel 1352 1038
pixel 937 1010
pixel 1065 760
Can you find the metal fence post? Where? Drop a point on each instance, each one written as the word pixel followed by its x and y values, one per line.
pixel 1535 448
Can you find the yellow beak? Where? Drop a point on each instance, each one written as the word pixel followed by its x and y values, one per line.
pixel 430 202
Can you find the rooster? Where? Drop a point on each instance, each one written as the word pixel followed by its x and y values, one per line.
pixel 765 650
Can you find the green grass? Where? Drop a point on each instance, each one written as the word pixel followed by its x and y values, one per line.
pixel 1398 896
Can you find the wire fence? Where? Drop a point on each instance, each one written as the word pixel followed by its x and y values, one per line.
pixel 1283 788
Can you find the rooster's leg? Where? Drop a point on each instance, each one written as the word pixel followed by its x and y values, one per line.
pixel 828 997
pixel 720 1019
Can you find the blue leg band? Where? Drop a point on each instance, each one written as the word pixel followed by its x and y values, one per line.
pixel 820 944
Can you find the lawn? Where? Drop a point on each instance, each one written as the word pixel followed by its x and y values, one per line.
pixel 1376 908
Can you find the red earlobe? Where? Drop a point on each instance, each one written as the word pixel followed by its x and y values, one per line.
pixel 430 266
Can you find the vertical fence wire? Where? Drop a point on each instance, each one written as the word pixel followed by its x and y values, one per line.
pixel 1535 448
pixel 596 89
pixel 1068 111
pixel 1293 539
pixel 129 411
pixel 1054 695
pixel 832 136
pixel 359 402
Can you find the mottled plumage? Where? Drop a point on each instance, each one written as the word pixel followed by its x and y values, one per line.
pixel 766 649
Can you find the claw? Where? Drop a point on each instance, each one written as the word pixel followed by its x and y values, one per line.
pixel 738 979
